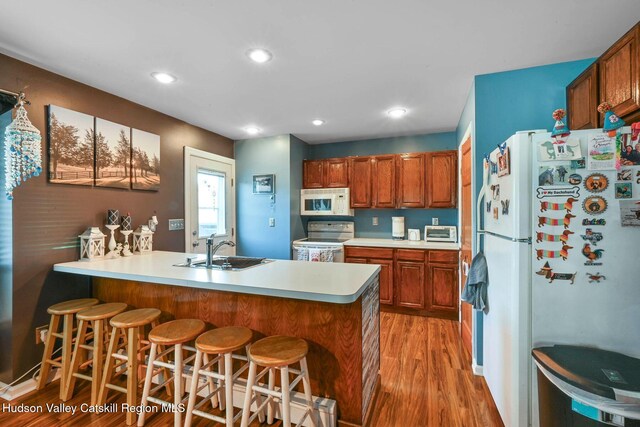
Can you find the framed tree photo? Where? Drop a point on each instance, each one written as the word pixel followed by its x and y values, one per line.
pixel 71 148
pixel 113 155
pixel 145 160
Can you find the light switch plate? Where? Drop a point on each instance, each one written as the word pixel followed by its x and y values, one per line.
pixel 435 221
pixel 176 224
pixel 374 221
pixel 272 222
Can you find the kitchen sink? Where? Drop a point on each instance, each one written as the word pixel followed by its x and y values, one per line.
pixel 234 263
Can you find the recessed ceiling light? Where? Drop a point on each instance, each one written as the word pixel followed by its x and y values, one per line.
pixel 164 77
pixel 259 55
pixel 252 130
pixel 318 122
pixel 396 113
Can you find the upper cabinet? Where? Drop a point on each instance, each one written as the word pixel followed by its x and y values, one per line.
pixel 582 100
pixel 615 78
pixel 411 180
pixel 441 179
pixel 360 172
pixel 327 173
pixel 384 181
pixel 312 174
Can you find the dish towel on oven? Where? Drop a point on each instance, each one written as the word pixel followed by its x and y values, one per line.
pixel 475 289
pixel 303 254
pixel 320 255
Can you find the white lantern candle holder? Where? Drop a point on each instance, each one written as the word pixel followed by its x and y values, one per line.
pixel 142 240
pixel 91 244
pixel 113 253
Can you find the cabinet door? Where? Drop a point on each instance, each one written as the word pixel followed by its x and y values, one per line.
pixel 409 284
pixel 442 287
pixel 411 180
pixel 384 182
pixel 441 181
pixel 582 100
pixel 619 69
pixel 386 280
pixel 360 183
pixel 336 173
pixel 351 260
pixel 312 174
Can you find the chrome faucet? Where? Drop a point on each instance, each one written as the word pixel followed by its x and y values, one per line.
pixel 212 249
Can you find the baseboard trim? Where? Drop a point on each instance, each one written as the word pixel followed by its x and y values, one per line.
pixel 25 387
pixel 477 369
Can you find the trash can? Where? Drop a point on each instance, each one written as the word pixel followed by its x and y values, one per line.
pixel 584 387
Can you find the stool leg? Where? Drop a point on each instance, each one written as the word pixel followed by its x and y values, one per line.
pixel 107 372
pixel 147 383
pixel 45 366
pixel 67 339
pixel 177 385
pixel 98 359
pixel 228 387
pixel 307 391
pixel 221 394
pixel 272 405
pixel 69 381
pixel 286 399
pixel 248 396
pixel 132 372
pixel 193 391
pixel 166 374
pixel 214 398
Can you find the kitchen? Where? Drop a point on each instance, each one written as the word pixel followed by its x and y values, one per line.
pixel 394 167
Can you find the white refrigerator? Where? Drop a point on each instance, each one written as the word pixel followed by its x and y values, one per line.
pixel 562 244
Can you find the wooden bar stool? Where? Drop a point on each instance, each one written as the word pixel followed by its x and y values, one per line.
pixel 221 342
pixel 277 352
pixel 95 317
pixel 65 310
pixel 128 334
pixel 175 334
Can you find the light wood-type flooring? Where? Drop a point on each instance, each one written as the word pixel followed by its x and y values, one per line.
pixel 426 381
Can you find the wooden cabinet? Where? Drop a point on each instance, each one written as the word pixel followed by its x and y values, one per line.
pixel 360 173
pixel 411 177
pixel 441 179
pixel 619 75
pixel 386 279
pixel 443 295
pixel 384 181
pixel 582 100
pixel 336 173
pixel 312 174
pixel 409 285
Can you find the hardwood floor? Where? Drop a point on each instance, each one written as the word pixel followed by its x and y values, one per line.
pixel 426 381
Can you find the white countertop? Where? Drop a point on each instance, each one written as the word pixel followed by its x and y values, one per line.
pixel 402 244
pixel 313 281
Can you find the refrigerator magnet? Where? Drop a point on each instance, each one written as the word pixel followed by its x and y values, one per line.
pixel 489 206
pixel 504 162
pixel 623 190
pixel 592 255
pixel 580 163
pixel 594 205
pixel 566 221
pixel 505 207
pixel 596 183
pixel 544 237
pixel 596 278
pixel 630 213
pixel 495 213
pixel 594 221
pixel 547 192
pixel 495 191
pixel 591 236
pixel 547 272
pixel 575 179
pixel 625 175
pixel 568 205
pixel 562 253
pixel 560 149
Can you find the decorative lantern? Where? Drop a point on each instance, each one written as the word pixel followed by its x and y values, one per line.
pixel 91 244
pixel 142 240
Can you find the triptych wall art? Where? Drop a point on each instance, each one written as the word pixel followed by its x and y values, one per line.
pixel 87 150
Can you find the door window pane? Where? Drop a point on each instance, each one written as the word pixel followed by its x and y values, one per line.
pixel 211 203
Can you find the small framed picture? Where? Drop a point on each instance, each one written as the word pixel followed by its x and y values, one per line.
pixel 264 184
pixel 504 163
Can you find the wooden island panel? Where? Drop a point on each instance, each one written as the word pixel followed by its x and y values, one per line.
pixel 344 339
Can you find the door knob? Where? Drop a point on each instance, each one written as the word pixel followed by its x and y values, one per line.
pixel 194 233
pixel 195 244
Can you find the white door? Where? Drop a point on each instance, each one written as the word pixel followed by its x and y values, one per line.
pixel 210 200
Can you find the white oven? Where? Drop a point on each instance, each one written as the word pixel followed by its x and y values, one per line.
pixel 325 202
pixel 325 241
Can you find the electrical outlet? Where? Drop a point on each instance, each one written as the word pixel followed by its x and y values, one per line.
pixel 374 220
pixel 41 333
pixel 435 221
pixel 176 224
pixel 272 222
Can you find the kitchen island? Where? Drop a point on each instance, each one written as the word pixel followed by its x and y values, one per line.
pixel 335 307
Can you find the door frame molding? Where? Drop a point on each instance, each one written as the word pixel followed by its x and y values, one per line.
pixel 194 152
pixel 469 134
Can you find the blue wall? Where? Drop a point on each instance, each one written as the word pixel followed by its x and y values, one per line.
pixel 271 155
pixel 414 218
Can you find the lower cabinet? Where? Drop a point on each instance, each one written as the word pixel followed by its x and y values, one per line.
pixel 421 282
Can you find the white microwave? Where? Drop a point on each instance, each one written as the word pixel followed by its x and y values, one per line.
pixel 325 202
pixel 440 233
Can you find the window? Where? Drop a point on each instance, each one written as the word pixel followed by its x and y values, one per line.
pixel 211 203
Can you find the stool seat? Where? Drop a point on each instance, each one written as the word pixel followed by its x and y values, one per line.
pixel 102 311
pixel 224 340
pixel 278 350
pixel 176 331
pixel 72 306
pixel 133 318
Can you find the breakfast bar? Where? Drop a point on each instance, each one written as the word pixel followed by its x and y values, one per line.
pixel 334 307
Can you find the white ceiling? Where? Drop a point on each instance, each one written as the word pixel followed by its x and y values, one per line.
pixel 345 61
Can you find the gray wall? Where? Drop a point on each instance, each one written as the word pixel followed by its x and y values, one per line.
pixel 6 259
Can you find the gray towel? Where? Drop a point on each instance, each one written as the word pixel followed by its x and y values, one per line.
pixel 475 289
